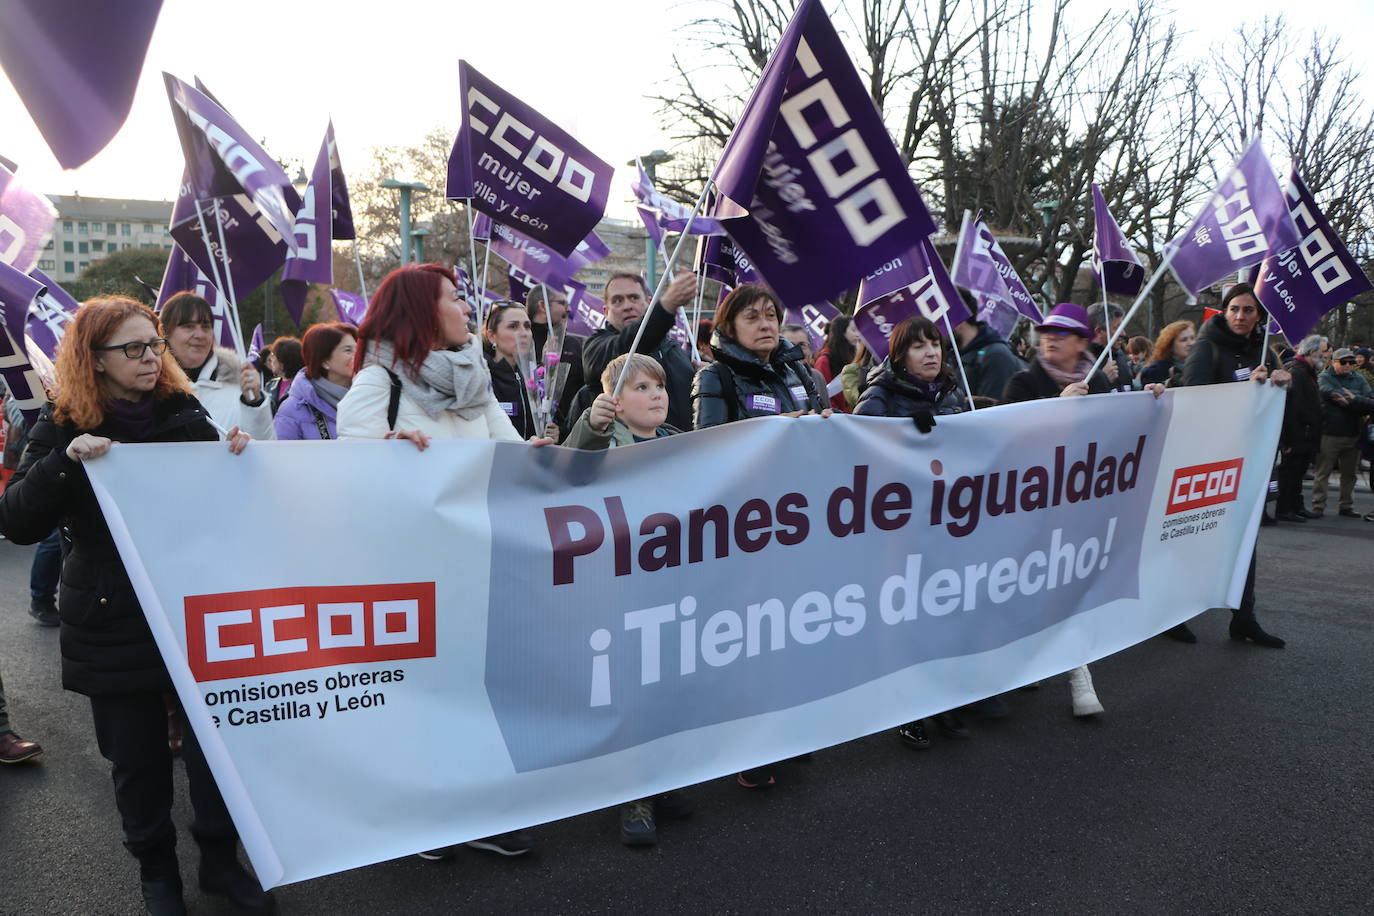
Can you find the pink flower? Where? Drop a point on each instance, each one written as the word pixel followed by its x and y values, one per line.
pixel 551 359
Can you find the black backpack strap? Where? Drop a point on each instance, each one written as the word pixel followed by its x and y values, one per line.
pixel 320 423
pixel 393 407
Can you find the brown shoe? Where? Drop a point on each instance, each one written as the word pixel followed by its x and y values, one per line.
pixel 14 749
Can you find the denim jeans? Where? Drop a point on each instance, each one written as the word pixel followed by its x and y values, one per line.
pixel 47 567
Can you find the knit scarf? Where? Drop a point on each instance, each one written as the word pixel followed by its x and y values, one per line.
pixel 452 380
pixel 1065 379
pixel 329 392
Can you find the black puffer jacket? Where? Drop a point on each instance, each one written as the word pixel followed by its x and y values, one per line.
pixel 1035 383
pixel 892 392
pixel 107 647
pixel 989 362
pixel 1221 354
pixel 608 343
pixel 1302 412
pixel 739 385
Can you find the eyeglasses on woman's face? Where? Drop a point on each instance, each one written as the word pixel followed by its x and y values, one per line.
pixel 135 349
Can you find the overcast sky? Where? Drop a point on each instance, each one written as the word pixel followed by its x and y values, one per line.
pixel 388 72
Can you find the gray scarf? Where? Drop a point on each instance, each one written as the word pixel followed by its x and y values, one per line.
pixel 452 380
pixel 329 392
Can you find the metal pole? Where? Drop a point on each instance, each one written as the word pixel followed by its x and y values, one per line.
pixel 472 258
pixel 1154 278
pixel 358 260
pixel 658 288
pixel 954 345
pixel 405 226
pixel 233 300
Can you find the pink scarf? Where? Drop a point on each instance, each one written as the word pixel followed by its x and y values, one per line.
pixel 1065 379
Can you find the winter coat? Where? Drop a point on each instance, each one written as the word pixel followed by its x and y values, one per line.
pixel 1125 374
pixel 217 390
pixel 1167 372
pixel 608 343
pixel 1221 355
pixel 617 435
pixel 508 387
pixel 1302 412
pixel 781 385
pixel 892 392
pixel 106 645
pixel 1344 419
pixel 362 413
pixel 989 363
pixel 301 414
pixel 828 372
pixel 1035 383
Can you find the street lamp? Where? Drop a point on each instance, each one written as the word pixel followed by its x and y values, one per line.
pixel 406 188
pixel 651 162
pixel 418 235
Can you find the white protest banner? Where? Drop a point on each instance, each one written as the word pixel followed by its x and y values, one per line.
pixel 544 632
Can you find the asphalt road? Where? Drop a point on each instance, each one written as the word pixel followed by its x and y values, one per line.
pixel 1222 779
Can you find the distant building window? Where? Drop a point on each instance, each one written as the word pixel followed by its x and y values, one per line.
pixel 97 245
pixel 109 228
pixel 125 229
pixel 47 265
pixel 66 225
pixel 166 231
pixel 49 246
pixel 83 248
pixel 167 246
pixel 85 264
pixel 149 228
pixel 68 247
pixel 81 228
pixel 69 266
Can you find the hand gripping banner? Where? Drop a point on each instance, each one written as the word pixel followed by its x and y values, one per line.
pixel 545 632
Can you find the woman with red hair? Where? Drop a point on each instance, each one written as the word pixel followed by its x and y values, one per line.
pixel 117 381
pixel 311 409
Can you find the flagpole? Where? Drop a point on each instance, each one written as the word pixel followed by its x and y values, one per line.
pixel 954 345
pixel 214 262
pixel 486 260
pixel 358 260
pixel 696 320
pixel 233 302
pixel 1154 278
pixel 472 257
pixel 662 284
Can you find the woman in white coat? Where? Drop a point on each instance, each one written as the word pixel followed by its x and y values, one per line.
pixel 416 339
pixel 231 393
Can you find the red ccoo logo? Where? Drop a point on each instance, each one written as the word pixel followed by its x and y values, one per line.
pixel 1204 485
pixel 271 630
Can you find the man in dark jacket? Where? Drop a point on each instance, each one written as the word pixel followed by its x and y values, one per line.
pixel 1117 369
pixel 1302 426
pixel 1230 348
pixel 627 297
pixel 1346 400
pixel 988 360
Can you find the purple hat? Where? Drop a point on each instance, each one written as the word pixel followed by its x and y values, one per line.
pixel 1067 317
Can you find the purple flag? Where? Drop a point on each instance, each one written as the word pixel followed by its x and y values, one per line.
pixel 222 160
pixel 17 293
pixel 986 245
pixel 815 318
pixel 651 225
pixel 997 314
pixel 1245 220
pixel 254 247
pixel 523 170
pixel 26 219
pixel 814 191
pixel 586 312
pixel 976 270
pixel 520 283
pixel 668 213
pixel 538 260
pixel 352 307
pixel 51 312
pixel 311 259
pixel 914 284
pixel 719 259
pixel 255 345
pixel 182 275
pixel 338 191
pixel 75 65
pixel 1115 265
pixel 1297 287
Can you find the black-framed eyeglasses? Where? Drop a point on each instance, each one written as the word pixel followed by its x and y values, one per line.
pixel 135 349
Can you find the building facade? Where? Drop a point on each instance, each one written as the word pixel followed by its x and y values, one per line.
pixel 90 228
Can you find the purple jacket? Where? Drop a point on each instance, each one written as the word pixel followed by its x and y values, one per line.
pixel 297 418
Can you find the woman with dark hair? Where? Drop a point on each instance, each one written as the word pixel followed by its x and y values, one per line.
pixel 118 382
pixel 755 373
pixel 915 381
pixel 230 393
pixel 842 340
pixel 417 376
pixel 507 330
pixel 285 359
pixel 1171 352
pixel 311 410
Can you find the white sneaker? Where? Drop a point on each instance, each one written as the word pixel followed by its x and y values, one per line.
pixel 1085 702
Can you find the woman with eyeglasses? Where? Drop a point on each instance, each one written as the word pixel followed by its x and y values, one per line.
pixel 117 382
pixel 506 331
pixel 231 393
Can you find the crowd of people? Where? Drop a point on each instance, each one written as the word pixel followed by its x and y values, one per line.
pixel 418 369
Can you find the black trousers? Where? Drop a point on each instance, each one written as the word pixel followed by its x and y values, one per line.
pixel 1247 597
pixel 131 731
pixel 1292 465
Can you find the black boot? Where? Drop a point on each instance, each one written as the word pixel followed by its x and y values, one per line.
pixel 1243 628
pixel 221 874
pixel 161 878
